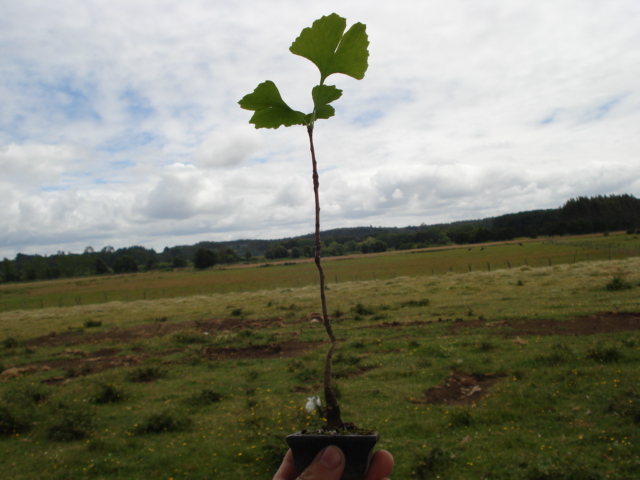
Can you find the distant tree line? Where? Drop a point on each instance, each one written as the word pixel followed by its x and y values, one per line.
pixel 577 216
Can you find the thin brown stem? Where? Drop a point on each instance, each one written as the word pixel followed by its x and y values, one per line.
pixel 333 409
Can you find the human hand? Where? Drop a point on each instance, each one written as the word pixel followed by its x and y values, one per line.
pixel 329 465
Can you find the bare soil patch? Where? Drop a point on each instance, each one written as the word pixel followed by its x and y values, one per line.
pixel 605 322
pixel 460 388
pixel 281 350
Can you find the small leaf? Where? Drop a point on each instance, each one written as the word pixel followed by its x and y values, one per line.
pixel 325 45
pixel 323 95
pixel 270 110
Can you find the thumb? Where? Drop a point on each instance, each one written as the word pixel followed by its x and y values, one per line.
pixel 328 465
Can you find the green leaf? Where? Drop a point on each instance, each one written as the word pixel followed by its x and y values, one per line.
pixel 323 95
pixel 270 110
pixel 332 50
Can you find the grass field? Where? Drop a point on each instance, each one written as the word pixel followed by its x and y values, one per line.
pixel 156 285
pixel 512 373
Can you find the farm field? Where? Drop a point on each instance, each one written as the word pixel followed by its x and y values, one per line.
pixel 524 372
pixel 158 284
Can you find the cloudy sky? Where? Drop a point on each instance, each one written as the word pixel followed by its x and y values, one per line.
pixel 119 122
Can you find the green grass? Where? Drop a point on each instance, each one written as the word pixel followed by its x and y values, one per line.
pixel 568 407
pixel 182 283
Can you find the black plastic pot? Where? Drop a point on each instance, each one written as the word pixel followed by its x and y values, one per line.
pixel 357 450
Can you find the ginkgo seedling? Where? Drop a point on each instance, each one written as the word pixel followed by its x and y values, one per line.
pixel 332 50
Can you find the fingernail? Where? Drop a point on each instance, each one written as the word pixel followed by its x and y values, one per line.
pixel 331 457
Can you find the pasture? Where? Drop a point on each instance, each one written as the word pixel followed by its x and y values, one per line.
pixel 520 370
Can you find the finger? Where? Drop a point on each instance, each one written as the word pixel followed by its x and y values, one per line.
pixel 328 465
pixel 287 471
pixel 381 466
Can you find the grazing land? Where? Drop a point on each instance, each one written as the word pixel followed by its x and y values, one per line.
pixel 512 362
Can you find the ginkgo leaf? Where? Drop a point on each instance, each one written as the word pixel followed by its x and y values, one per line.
pixel 270 110
pixel 323 95
pixel 332 50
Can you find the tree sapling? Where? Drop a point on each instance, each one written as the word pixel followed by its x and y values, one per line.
pixel 332 50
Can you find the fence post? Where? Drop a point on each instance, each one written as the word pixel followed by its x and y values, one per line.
pixel 488 267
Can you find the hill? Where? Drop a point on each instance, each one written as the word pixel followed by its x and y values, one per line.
pixel 579 215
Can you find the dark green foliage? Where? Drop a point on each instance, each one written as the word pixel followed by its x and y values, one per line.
pixel 179 262
pixel 486 347
pixel 559 355
pixel 204 258
pixel 146 374
pixel 26 395
pixel 625 406
pixel 10 342
pixel 92 323
pixel 101 267
pixel 108 393
pixel 424 302
pixel 206 396
pixel 275 252
pixel 427 466
pixel 236 312
pixel 460 417
pixel 346 359
pixel 166 421
pixel 618 283
pixel 125 264
pixel 70 423
pixel 603 354
pixel 308 375
pixel 13 420
pixel 360 309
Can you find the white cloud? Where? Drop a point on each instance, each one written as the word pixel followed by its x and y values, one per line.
pixel 119 121
pixel 228 147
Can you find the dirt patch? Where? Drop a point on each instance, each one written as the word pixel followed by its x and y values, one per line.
pixel 605 322
pixel 460 389
pixel 282 350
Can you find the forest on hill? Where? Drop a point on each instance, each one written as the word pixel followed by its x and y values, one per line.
pixel 577 216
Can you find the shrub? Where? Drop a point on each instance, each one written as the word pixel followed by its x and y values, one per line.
pixel 72 424
pixel 236 312
pixel 618 283
pixel 12 421
pixel 146 374
pixel 360 309
pixel 166 421
pixel 460 417
pixel 10 342
pixel 604 354
pixel 427 466
pixel 108 393
pixel 416 303
pixel 206 396
pixel 92 323
pixel 626 406
pixel 28 395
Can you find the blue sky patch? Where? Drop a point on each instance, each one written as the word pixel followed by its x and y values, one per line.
pixel 137 105
pixel 71 97
pixel 127 140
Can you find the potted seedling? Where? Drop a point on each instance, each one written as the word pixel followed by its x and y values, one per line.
pixel 332 50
